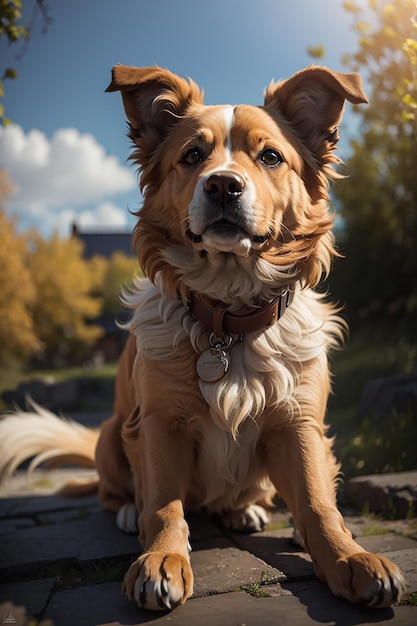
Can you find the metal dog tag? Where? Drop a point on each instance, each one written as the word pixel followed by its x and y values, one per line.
pixel 212 364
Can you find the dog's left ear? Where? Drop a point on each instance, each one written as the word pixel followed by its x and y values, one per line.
pixel 313 101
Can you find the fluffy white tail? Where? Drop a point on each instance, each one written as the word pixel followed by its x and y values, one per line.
pixel 44 437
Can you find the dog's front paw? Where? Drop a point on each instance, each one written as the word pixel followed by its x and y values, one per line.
pixel 369 579
pixel 250 519
pixel 159 581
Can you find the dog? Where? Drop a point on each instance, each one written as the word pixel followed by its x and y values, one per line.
pixel 222 387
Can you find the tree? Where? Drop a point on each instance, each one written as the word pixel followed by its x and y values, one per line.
pixel 11 28
pixel 63 283
pixel 119 273
pixel 18 338
pixel 379 199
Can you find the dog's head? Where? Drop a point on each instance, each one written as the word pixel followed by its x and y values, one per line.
pixel 235 191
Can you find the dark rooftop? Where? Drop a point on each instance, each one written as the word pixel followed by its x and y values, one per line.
pixel 104 242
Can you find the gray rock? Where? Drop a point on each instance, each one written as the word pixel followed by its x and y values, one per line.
pixel 383 396
pixel 62 396
pixel 393 494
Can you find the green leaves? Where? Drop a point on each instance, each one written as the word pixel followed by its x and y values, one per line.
pixel 10 73
pixel 10 27
pixel 316 52
pixel 379 199
pixel 10 14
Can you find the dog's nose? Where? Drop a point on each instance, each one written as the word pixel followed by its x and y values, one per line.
pixel 224 186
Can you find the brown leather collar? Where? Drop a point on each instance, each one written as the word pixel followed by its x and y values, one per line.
pixel 216 318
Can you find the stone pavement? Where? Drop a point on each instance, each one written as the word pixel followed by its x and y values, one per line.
pixel 62 562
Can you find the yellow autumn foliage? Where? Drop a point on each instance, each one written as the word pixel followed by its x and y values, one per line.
pixel 63 282
pixel 18 338
pixel 119 273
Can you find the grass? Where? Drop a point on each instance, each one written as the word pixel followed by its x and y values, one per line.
pixel 375 529
pixel 13 375
pixel 74 516
pixel 368 443
pixel 71 574
pixel 410 599
pixel 91 573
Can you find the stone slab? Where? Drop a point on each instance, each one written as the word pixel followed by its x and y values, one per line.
pixel 227 568
pixel 103 605
pixel 407 562
pixel 94 538
pixel 325 608
pixel 277 549
pixel 94 605
pixel 16 615
pixel 25 600
pixel 8 526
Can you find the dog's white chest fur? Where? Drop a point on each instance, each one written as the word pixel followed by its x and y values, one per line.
pixel 264 366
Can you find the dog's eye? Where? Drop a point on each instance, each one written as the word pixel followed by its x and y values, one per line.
pixel 270 157
pixel 192 156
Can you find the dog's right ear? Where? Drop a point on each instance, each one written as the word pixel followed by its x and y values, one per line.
pixel 153 99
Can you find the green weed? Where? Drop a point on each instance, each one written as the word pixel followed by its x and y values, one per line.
pixel 410 599
pixel 254 589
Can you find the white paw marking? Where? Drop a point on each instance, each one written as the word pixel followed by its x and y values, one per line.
pixel 127 519
pixel 297 538
pixel 252 518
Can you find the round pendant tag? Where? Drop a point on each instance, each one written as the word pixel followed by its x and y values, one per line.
pixel 212 365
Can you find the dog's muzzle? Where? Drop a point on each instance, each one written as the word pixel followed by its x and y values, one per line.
pixel 223 211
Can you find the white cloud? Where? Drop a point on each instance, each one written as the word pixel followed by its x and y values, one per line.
pixel 62 178
pixel 105 215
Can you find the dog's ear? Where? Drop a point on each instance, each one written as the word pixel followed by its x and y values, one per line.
pixel 313 101
pixel 153 99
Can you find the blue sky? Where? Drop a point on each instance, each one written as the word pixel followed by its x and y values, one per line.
pixel 67 151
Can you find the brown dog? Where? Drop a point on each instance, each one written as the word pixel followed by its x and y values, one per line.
pixel 222 389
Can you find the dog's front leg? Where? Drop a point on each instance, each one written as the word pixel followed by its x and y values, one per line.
pixel 298 460
pixel 162 463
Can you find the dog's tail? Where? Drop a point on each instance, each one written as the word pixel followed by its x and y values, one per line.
pixel 42 437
